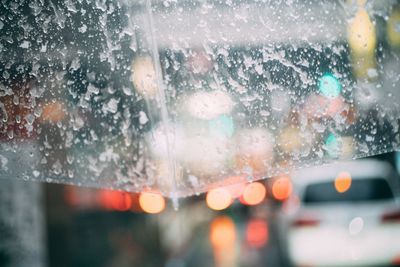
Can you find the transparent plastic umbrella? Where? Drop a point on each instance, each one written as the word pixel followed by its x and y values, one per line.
pixel 183 96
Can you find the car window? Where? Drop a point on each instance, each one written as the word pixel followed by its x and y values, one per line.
pixel 370 189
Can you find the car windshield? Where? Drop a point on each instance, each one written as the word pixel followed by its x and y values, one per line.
pixel 360 190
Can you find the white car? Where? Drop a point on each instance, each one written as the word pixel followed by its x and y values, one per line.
pixel 349 221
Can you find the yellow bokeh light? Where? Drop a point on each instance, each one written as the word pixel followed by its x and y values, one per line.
pixel 151 202
pixel 290 139
pixel 254 193
pixel 343 182
pixel 361 33
pixel 144 76
pixel 218 199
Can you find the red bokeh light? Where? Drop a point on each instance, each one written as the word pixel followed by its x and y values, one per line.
pixel 257 233
pixel 114 200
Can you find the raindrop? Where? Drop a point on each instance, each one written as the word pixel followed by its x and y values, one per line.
pixel 25 44
pixel 82 29
pixel 36 173
pixel 175 201
pixel 10 134
pixel 143 118
pixel 16 100
pixel 18 119
pixel 57 168
pixel 6 75
pixel 30 119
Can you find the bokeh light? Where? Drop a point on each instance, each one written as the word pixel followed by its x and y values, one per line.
pixel 257 233
pixel 282 188
pixel 144 76
pixel 361 33
pixel 151 202
pixel 329 86
pixel 199 62
pixel 209 105
pixel 115 200
pixel 343 182
pixel 290 139
pixel 253 194
pixel 222 232
pixel 362 41
pixel 333 145
pixel 53 112
pixel 218 199
pixel 204 155
pixel 222 126
pixel 255 150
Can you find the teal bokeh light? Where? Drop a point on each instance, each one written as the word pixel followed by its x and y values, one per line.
pixel 329 86
pixel 222 126
pixel 333 145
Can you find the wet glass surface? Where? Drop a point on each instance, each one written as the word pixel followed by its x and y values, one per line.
pixel 180 97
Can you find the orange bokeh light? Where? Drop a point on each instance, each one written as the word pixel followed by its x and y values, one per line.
pixel 282 188
pixel 222 232
pixel 257 233
pixel 115 200
pixel 151 202
pixel 218 199
pixel 343 182
pixel 53 112
pixel 253 194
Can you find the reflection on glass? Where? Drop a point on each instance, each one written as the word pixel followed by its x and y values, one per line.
pixel 257 233
pixel 223 238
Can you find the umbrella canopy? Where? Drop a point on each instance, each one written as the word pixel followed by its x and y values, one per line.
pixel 180 97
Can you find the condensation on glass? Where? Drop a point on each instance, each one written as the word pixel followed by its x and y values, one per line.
pixel 180 96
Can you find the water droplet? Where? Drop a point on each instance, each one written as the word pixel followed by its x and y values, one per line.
pixel 18 119
pixel 16 100
pixel 57 167
pixel 175 201
pixel 30 119
pixel 82 29
pixel 10 134
pixel 25 44
pixel 143 118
